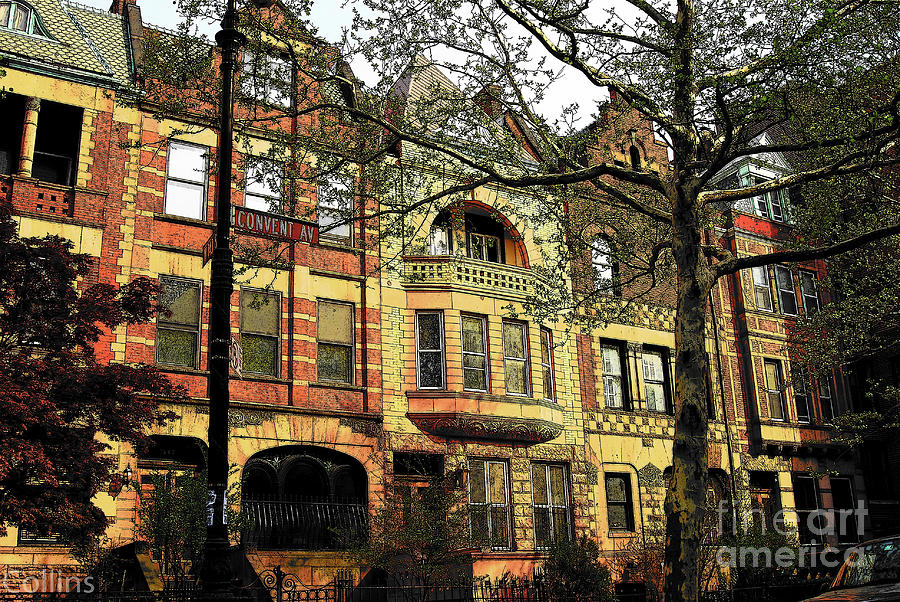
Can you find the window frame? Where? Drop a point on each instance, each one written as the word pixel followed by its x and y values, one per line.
pixel 602 263
pixel 758 287
pixel 250 80
pixel 622 355
pixel 278 304
pixel 485 355
pixel 204 185
pixel 826 380
pixel 251 161
pixel 181 327
pixel 336 182
pixel 351 368
pixel 442 350
pixel 802 525
pixel 850 522
pixel 627 503
pixel 665 383
pixel 801 389
pixel 481 240
pixel 788 289
pixel 35 24
pixel 489 504
pixel 548 367
pixel 813 279
pixel 779 375
pixel 524 360
pixel 550 506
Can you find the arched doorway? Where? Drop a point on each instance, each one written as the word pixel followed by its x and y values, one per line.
pixel 304 498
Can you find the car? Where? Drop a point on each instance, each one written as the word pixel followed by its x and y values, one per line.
pixel 870 573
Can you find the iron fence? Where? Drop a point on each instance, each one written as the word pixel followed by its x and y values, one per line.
pixel 305 524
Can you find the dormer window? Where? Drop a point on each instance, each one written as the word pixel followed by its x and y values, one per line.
pixel 20 17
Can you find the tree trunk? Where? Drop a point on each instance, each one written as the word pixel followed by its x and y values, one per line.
pixel 686 495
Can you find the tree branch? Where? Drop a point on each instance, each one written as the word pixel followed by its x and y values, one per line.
pixel 735 264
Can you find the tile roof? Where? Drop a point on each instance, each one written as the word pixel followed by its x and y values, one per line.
pixel 88 41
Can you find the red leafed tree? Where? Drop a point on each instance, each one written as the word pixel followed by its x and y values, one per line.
pixel 59 404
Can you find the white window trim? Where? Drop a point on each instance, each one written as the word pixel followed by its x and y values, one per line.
pixel 767 286
pixel 484 344
pixel 442 350
pixel 779 372
pixel 784 288
pixel 507 503
pixel 551 366
pixel 613 378
pixel 525 360
pixel 550 506
pixel 204 184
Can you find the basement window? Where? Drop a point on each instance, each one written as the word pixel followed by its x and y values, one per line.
pixel 57 144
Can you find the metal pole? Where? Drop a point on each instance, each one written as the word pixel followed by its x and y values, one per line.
pixel 217 573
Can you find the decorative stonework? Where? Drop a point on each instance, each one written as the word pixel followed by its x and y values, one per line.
pixel 592 474
pixel 474 426
pixel 244 418
pixel 651 476
pixel 363 427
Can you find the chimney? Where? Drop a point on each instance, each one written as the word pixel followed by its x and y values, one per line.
pixel 489 100
pixel 118 6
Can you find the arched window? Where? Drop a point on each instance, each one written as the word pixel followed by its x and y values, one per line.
pixel 635 157
pixel 604 266
pixel 20 17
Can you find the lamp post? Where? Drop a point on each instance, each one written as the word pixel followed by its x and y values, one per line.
pixel 217 574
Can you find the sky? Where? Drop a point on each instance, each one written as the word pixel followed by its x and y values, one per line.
pixel 330 18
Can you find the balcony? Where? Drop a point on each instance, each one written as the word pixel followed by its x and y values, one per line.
pixel 305 523
pixel 461 273
pixel 462 415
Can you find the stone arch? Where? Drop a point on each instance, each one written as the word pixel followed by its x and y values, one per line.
pixel 304 497
pixel 304 476
pixel 476 208
pixel 259 481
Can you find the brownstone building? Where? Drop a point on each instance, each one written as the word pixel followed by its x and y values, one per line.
pixel 356 374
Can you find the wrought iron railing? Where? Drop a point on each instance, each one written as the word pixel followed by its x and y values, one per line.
pixel 305 524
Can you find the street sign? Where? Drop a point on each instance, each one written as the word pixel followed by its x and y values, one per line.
pixel 208 247
pixel 273 225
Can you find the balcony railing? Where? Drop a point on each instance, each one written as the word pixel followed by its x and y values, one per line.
pixel 494 279
pixel 305 524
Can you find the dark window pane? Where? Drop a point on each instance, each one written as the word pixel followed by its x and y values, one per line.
pixel 478 516
pixel 259 353
pixel 334 362
pixel 431 369
pixel 615 489
pixel 499 527
pixel 176 347
pixel 561 524
pixel 539 483
pixel 429 331
pixel 513 340
pixel 476 481
pixel 260 312
pixel 542 526
pixel 618 520
pixel 474 379
pixel 472 335
pixel 516 378
pixel 182 299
